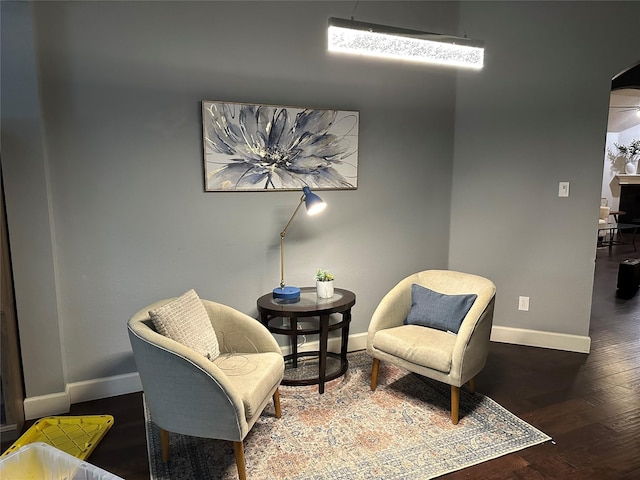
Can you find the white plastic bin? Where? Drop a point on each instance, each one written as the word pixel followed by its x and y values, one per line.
pixel 40 461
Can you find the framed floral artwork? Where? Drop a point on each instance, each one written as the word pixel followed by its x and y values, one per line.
pixel 264 147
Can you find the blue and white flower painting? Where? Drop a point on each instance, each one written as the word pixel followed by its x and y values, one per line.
pixel 264 147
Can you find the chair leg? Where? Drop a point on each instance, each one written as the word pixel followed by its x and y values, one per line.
pixel 276 403
pixel 164 444
pixel 455 403
pixel 374 373
pixel 471 385
pixel 238 449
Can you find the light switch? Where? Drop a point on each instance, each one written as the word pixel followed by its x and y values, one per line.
pixel 563 190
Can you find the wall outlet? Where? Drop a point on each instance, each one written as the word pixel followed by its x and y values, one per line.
pixel 523 303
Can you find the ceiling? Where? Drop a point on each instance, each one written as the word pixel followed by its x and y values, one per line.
pixel 624 106
pixel 624 109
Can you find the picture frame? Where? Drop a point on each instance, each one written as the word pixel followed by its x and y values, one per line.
pixel 254 147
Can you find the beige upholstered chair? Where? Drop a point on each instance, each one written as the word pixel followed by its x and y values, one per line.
pixel 189 394
pixel 603 221
pixel 454 359
pixel 603 217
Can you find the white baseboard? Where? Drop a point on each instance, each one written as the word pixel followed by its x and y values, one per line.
pixel 57 403
pixel 537 338
pixel 104 387
pixel 45 405
pixel 356 342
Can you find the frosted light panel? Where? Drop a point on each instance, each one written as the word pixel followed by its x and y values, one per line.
pixel 385 45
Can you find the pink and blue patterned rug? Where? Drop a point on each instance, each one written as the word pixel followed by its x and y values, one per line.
pixel 402 430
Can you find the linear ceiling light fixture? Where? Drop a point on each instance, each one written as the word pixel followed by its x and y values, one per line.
pixel 349 36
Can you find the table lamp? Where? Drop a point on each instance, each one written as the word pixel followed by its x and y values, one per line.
pixel 314 205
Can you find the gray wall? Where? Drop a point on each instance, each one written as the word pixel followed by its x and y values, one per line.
pixel 537 116
pixel 102 159
pixel 120 89
pixel 28 195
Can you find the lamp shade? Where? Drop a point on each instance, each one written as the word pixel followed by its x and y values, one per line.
pixel 312 202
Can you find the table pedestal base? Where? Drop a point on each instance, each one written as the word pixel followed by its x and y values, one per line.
pixel 311 315
pixel 308 366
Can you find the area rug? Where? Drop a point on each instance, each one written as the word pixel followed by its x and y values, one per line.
pixel 403 430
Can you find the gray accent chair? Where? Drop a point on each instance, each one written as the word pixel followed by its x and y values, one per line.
pixel 454 359
pixel 189 394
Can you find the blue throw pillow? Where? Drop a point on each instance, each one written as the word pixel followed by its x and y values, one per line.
pixel 437 310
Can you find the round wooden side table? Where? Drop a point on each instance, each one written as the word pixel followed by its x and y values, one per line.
pixel 317 314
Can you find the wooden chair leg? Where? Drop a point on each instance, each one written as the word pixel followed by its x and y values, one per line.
pixel 238 450
pixel 455 403
pixel 276 403
pixel 471 384
pixel 374 373
pixel 164 444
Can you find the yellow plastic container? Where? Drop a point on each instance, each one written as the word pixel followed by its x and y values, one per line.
pixel 74 435
pixel 41 461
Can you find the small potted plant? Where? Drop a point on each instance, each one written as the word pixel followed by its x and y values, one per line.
pixel 631 153
pixel 324 283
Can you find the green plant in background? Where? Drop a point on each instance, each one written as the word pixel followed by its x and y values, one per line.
pixel 631 151
pixel 323 275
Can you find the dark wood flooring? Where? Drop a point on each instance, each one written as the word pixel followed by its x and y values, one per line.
pixel 589 404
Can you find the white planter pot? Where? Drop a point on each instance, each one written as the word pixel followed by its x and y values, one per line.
pixel 630 168
pixel 324 289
